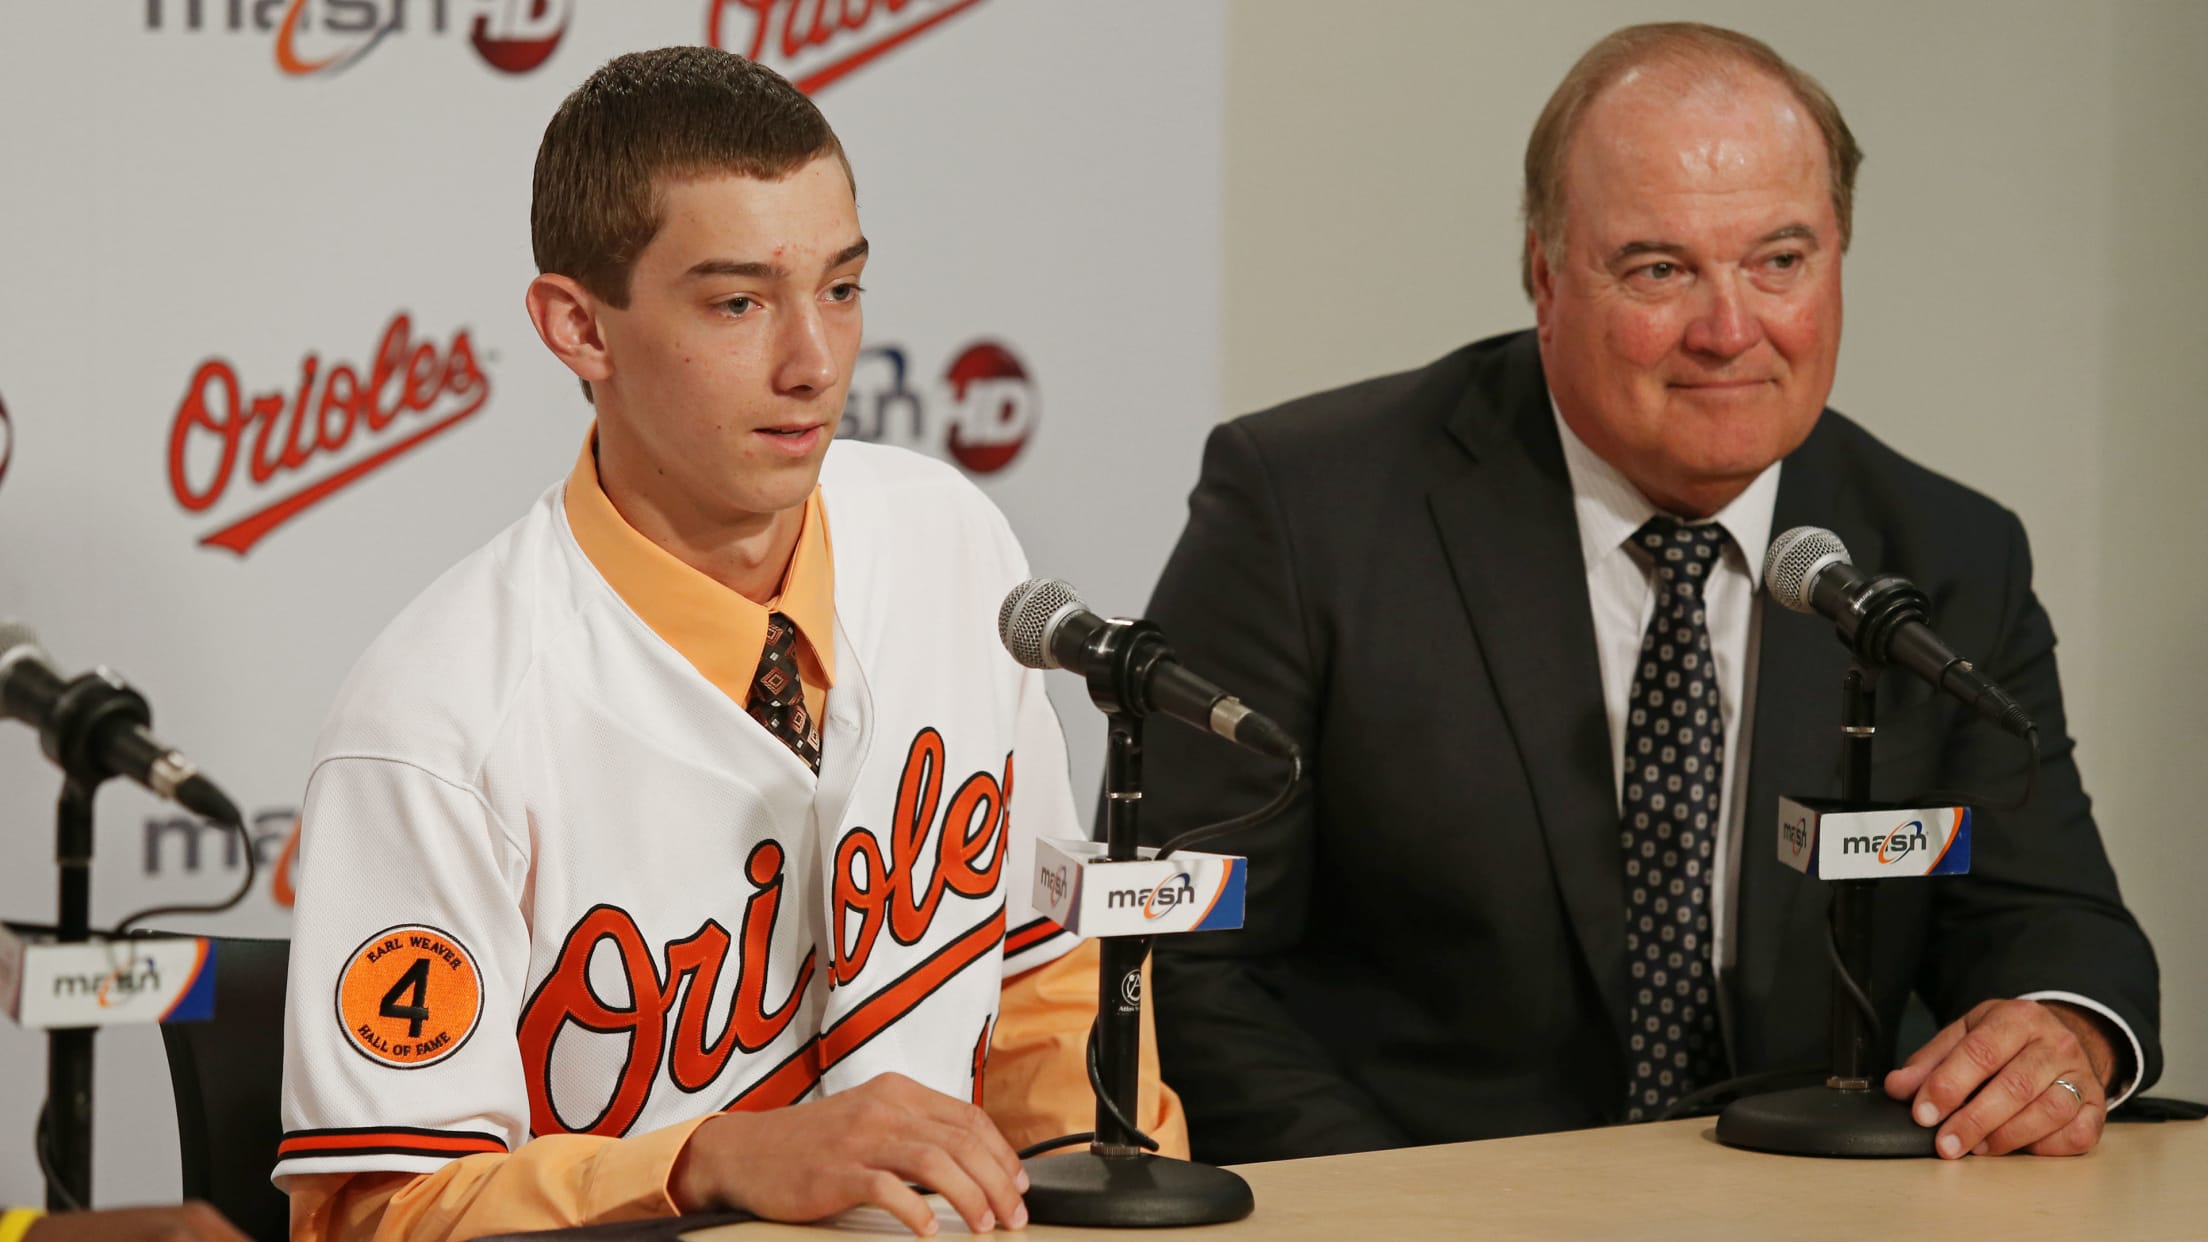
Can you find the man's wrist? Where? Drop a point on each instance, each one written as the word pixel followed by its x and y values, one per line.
pixel 693 1184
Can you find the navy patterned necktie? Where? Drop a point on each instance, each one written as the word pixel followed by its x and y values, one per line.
pixel 778 693
pixel 1674 766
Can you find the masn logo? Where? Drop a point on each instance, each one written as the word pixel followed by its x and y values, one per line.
pixel 1903 841
pixel 181 842
pixel 113 988
pixel 1170 894
pixel 1054 882
pixel 323 37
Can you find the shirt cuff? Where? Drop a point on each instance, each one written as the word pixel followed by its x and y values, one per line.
pixel 647 1163
pixel 2138 1054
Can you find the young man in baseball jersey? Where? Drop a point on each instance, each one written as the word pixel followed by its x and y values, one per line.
pixel 672 852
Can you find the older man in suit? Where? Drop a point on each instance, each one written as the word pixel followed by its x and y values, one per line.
pixel 1510 605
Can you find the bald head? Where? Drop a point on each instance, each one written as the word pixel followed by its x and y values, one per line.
pixel 1680 64
pixel 1711 130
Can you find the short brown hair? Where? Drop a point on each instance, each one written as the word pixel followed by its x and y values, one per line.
pixel 675 112
pixel 1685 44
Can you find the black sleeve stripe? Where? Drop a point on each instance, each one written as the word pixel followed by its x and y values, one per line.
pixel 415 1131
pixel 1030 934
pixel 389 1141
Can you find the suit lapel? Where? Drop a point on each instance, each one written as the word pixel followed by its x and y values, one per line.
pixel 1508 528
pixel 1795 749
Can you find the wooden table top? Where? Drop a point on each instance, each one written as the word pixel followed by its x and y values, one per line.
pixel 1654 1183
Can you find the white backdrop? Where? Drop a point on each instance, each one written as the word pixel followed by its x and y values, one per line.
pixel 217 197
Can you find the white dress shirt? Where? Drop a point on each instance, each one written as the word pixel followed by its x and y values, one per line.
pixel 1621 591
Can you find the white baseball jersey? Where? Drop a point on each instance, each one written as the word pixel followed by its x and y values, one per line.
pixel 554 881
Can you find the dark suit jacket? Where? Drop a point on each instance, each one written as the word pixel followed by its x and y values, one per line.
pixel 1435 947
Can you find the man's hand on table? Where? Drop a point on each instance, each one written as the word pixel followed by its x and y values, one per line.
pixel 852 1148
pixel 1988 1080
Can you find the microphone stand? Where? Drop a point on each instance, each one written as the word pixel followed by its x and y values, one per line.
pixel 1851 1115
pixel 89 707
pixel 1116 1183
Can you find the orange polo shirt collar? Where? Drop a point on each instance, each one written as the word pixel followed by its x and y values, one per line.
pixel 718 630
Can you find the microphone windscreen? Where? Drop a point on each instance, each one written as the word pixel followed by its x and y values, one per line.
pixel 1792 564
pixel 22 697
pixel 1028 615
pixel 17 642
pixel 14 634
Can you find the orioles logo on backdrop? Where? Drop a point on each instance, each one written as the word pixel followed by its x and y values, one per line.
pixel 323 37
pixel 669 989
pixel 335 427
pixel 981 415
pixel 815 42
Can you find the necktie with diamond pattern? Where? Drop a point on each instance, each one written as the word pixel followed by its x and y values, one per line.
pixel 1674 766
pixel 778 693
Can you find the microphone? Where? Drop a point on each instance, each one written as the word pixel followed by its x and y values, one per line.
pixel 1881 620
pixel 96 724
pixel 1045 624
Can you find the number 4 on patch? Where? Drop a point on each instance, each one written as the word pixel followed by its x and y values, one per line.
pixel 415 985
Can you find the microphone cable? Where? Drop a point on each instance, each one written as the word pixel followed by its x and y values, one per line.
pixel 1205 833
pixel 1104 1098
pixel 1858 996
pixel 2031 782
pixel 227 816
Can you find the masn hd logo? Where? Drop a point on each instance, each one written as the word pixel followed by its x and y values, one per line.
pixel 323 37
pixel 980 415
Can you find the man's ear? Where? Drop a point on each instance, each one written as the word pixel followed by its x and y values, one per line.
pixel 1543 281
pixel 566 318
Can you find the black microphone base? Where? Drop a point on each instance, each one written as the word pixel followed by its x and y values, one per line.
pixel 1132 1192
pixel 1824 1121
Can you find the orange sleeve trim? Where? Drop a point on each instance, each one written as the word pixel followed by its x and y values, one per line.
pixel 386 1140
pixel 1028 935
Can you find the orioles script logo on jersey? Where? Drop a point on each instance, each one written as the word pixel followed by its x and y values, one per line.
pixel 670 990
pixel 409 996
pixel 888 892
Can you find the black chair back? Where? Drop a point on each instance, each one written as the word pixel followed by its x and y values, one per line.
pixel 227 1075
